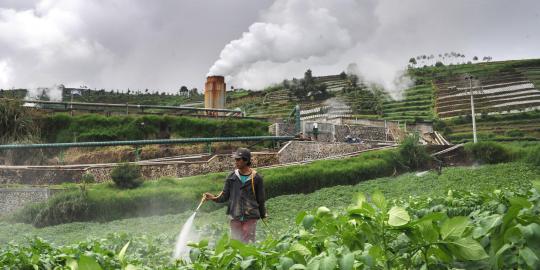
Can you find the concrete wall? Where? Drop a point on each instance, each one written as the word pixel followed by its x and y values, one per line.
pixel 294 151
pixel 45 175
pixel 364 133
pixel 50 175
pixel 297 151
pixel 12 199
pixel 217 163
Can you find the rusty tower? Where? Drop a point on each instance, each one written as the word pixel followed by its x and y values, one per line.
pixel 214 92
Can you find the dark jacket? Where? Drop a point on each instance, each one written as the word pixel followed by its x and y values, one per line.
pixel 240 197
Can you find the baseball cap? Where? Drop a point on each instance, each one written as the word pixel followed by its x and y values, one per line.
pixel 243 153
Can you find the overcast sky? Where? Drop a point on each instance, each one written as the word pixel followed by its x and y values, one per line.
pixel 163 44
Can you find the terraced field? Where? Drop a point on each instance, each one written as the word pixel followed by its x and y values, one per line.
pixel 334 83
pixel 417 104
pixel 501 88
pixel 507 127
pixel 507 89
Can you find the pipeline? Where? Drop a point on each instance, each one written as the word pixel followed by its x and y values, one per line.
pixel 146 142
pixel 132 106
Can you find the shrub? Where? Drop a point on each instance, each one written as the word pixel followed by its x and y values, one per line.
pixel 533 156
pixel 88 178
pixel 411 154
pixel 488 152
pixel 91 127
pixel 127 176
pixel 62 208
pixel 515 133
pixel 16 122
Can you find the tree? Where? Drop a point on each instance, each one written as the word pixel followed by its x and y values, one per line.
pixel 308 88
pixel 475 58
pixel 412 61
pixel 308 76
pixel 439 64
pixel 183 90
pixel 286 84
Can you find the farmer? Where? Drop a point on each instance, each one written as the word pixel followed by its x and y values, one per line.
pixel 244 194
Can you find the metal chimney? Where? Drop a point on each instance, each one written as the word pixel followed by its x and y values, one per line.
pixel 214 92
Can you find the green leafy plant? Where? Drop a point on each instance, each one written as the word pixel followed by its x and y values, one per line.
pixel 88 178
pixel 488 152
pixel 411 154
pixel 127 176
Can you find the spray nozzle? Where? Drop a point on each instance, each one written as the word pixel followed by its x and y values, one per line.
pixel 201 203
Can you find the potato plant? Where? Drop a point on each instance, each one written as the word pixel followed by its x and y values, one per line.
pixel 462 230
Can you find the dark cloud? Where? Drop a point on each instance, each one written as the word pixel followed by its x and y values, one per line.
pixel 165 44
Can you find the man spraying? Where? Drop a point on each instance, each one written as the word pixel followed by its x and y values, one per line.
pixel 244 194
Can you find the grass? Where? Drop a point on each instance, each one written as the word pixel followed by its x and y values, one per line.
pixel 92 127
pixel 104 202
pixel 283 209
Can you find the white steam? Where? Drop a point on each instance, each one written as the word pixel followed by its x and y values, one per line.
pixel 295 35
pixel 5 73
pixel 53 93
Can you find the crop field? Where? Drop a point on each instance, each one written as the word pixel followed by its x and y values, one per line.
pixel 456 218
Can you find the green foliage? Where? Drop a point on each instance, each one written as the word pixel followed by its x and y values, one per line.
pixel 515 133
pixel 307 88
pixel 502 232
pixel 88 178
pixel 533 155
pixel 172 196
pixel 16 122
pixel 62 208
pixel 412 155
pixel 116 252
pixel 405 234
pixel 213 221
pixel 92 127
pixel 488 152
pixel 127 176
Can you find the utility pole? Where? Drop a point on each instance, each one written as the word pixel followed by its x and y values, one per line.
pixel 71 103
pixel 473 115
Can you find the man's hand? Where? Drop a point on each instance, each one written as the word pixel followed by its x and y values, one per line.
pixel 209 196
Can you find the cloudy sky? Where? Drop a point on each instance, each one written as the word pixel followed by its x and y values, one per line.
pixel 163 44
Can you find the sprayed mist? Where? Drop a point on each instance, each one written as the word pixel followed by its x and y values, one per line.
pixel 181 250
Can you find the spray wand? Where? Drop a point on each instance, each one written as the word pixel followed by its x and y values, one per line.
pixel 268 227
pixel 201 203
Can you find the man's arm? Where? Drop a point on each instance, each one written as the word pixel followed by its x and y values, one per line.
pixel 224 195
pixel 261 196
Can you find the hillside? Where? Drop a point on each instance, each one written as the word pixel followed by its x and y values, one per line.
pixel 145 97
pixel 506 94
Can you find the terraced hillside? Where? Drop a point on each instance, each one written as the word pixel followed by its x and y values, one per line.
pixel 495 92
pixel 500 88
pixel 503 94
pixel 277 103
pixel 505 127
pixel 334 83
pixel 416 105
